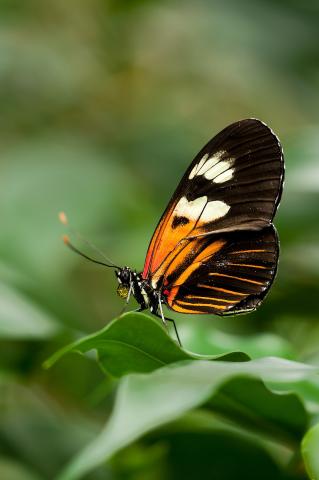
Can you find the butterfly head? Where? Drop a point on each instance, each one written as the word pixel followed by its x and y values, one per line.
pixel 124 277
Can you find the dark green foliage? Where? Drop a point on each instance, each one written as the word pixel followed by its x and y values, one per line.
pixel 231 390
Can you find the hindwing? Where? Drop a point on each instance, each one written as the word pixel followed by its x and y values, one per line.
pixel 223 274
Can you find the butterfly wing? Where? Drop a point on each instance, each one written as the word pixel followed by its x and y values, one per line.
pixel 234 184
pixel 223 274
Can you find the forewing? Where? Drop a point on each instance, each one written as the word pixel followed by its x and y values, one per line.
pixel 228 274
pixel 234 183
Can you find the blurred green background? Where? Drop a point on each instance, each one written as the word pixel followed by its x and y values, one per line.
pixel 103 106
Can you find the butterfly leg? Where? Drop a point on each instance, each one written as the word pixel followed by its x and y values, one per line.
pixel 175 328
pixel 165 319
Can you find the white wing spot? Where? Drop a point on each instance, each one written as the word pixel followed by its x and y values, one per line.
pixel 214 210
pixel 198 166
pixel 216 170
pixel 210 167
pixel 200 208
pixel 211 162
pixel 191 210
pixel 225 176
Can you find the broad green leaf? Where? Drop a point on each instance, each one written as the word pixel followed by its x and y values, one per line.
pixel 21 318
pixel 135 342
pixel 308 391
pixel 310 452
pixel 248 401
pixel 145 402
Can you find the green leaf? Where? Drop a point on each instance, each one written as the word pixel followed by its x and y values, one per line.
pixel 135 342
pixel 248 400
pixel 145 402
pixel 310 452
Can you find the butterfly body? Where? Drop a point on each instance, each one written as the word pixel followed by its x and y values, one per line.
pixel 132 283
pixel 215 249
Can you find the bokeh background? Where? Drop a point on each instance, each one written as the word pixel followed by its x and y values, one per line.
pixel 103 105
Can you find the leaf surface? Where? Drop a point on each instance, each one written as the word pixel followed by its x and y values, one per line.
pixel 147 401
pixel 136 342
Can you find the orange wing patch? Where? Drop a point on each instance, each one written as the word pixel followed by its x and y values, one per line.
pixel 165 239
pixel 196 261
pixel 222 290
pixel 211 305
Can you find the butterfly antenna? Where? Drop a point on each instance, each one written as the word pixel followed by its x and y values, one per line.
pixel 67 242
pixel 63 219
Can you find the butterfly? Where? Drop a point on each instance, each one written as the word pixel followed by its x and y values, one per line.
pixel 215 249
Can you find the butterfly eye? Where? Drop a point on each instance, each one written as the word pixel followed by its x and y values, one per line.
pixel 122 291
